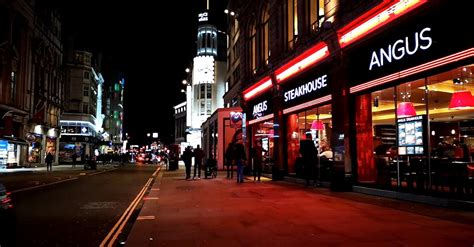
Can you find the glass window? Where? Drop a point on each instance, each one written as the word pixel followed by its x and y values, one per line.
pixel 85 108
pixel 86 75
pixel 263 132
pixel 265 35
pixel 292 22
pixel 253 48
pixel 209 91
pixel 432 155
pixel 318 122
pixel 86 90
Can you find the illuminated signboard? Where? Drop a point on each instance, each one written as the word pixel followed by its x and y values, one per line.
pixel 203 17
pixel 203 70
pixel 411 135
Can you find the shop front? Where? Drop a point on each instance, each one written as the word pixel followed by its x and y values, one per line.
pixel 261 128
pixel 411 88
pixel 307 110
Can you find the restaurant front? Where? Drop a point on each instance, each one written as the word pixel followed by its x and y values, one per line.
pixel 411 87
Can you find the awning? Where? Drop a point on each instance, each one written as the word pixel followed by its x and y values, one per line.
pixel 15 140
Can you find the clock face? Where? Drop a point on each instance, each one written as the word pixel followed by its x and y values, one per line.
pixel 204 70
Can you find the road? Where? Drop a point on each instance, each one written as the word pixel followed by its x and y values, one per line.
pixel 77 212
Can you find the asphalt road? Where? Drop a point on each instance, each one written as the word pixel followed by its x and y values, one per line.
pixel 78 212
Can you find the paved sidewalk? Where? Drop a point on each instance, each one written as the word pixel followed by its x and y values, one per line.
pixel 221 212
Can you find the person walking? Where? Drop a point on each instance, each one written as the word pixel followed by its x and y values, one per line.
pixel 187 158
pixel 198 157
pixel 74 159
pixel 229 160
pixel 240 157
pixel 49 162
pixel 257 160
pixel 309 153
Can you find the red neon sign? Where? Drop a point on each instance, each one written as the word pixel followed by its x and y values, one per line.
pixel 376 18
pixel 258 88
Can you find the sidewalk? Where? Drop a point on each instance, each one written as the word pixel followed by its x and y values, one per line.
pixel 221 212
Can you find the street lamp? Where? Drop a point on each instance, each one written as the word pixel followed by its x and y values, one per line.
pixel 187 70
pixel 184 82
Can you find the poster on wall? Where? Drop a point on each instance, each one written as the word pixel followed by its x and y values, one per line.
pixel 411 135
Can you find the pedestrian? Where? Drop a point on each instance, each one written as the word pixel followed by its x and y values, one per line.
pixel 49 162
pixel 198 157
pixel 309 153
pixel 74 159
pixel 240 158
pixel 187 158
pixel 257 160
pixel 229 160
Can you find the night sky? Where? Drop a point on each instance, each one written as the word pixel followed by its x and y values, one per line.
pixel 152 51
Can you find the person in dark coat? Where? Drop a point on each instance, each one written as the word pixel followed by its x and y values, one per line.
pixel 308 153
pixel 198 157
pixel 49 162
pixel 257 160
pixel 187 158
pixel 240 158
pixel 229 160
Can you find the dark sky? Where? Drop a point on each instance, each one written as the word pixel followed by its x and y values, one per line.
pixel 151 42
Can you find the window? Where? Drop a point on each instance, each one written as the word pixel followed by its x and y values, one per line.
pixel 202 89
pixel 253 48
pixel 202 106
pixel 316 8
pixel 86 75
pixel 209 91
pixel 12 86
pixel 208 107
pixel 265 34
pixel 292 22
pixel 85 108
pixel 86 90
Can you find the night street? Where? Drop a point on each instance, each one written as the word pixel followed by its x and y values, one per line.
pixel 78 212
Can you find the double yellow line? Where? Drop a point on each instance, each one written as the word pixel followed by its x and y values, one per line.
pixel 118 227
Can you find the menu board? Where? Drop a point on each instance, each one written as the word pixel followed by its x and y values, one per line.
pixel 411 135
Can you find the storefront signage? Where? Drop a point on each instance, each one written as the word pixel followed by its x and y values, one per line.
pixel 259 109
pixel 306 88
pixel 406 46
pixel 416 40
pixel 203 17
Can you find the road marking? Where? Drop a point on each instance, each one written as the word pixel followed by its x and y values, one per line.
pixel 43 185
pixel 156 172
pixel 148 217
pixel 82 174
pixel 150 198
pixel 124 218
pixel 155 189
pixel 112 169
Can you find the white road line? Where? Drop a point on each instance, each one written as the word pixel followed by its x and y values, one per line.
pixel 147 217
pixel 43 185
pixel 125 216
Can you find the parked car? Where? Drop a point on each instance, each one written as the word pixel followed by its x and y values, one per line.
pixel 7 219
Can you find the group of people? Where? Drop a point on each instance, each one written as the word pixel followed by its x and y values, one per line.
pixel 235 154
pixel 187 157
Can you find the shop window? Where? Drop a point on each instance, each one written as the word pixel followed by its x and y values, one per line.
pixel 433 155
pixel 318 122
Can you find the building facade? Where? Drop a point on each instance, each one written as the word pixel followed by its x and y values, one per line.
pixel 79 132
pixel 204 92
pixel 383 89
pixel 31 81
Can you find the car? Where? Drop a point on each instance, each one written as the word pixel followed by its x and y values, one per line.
pixel 7 218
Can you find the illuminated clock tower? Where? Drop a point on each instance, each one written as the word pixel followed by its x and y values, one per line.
pixel 205 93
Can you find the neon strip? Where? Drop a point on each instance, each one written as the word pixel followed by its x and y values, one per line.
pixel 258 88
pixel 258 120
pixel 371 22
pixel 414 70
pixel 304 61
pixel 308 104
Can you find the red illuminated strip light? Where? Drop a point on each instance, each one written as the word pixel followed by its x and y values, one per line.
pixel 258 120
pixel 414 70
pixel 258 88
pixel 303 61
pixel 375 19
pixel 308 104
